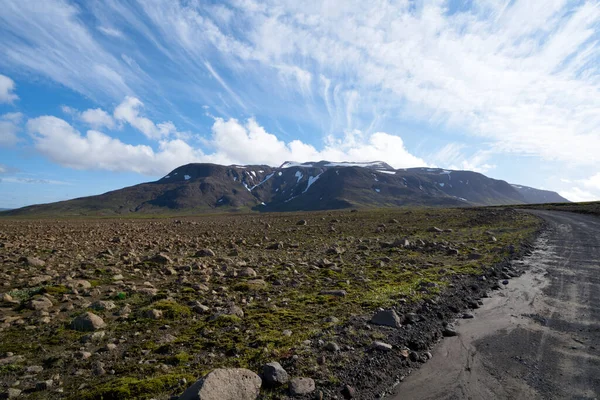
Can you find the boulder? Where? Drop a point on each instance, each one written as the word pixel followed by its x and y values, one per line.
pixel 225 384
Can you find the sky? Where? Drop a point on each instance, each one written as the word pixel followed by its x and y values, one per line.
pixel 98 95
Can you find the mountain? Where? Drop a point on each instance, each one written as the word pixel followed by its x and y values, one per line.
pixel 195 188
pixel 538 196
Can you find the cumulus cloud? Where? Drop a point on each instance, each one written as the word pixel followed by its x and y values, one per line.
pixel 129 111
pixel 231 142
pixel 61 143
pixel 10 125
pixel 587 189
pixel 98 118
pixel 7 88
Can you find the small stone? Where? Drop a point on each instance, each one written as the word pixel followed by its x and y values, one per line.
pixel 247 272
pixel 301 222
pixel 332 320
pixel 44 385
pixel 387 318
pixel 301 386
pixel 381 346
pixel 468 316
pixel 34 369
pixel 153 314
pixel 204 253
pixel 449 331
pixel 287 332
pixel 161 258
pixel 337 293
pixel 39 304
pixel 332 346
pixel 348 392
pixel 12 393
pixel 87 322
pixel 236 310
pixel 35 262
pixel 273 375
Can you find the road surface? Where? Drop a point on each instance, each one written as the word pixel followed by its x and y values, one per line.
pixel 538 338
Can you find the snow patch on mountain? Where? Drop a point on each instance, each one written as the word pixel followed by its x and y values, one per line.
pixel 312 180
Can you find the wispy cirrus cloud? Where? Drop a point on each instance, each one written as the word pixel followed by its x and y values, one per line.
pixel 521 77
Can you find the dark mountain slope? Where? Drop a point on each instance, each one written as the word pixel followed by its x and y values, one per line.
pixel 196 188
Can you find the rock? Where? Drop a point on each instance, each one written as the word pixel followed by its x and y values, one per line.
pixel 103 305
pixel 161 258
pixel 11 393
pixel 449 331
pixel 247 272
pixel 236 310
pixel 332 346
pixel 301 386
pixel 332 320
pixel 348 392
pixel 338 293
pixel 387 318
pixel 273 375
pixel 34 262
pixel 468 316
pixel 287 333
pixel 200 308
pixel 44 385
pixel 505 282
pixel 301 222
pixel 153 314
pixel 381 346
pixel 38 280
pixel 225 384
pixel 87 322
pixel 474 256
pixel 79 284
pixel 204 253
pixel 40 304
pixel 7 298
pixel 435 229
pixel 275 246
pixel 34 369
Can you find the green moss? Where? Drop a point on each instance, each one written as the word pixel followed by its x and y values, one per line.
pixel 55 290
pixel 171 309
pixel 134 388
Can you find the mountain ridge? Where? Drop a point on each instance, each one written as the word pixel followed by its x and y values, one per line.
pixel 321 185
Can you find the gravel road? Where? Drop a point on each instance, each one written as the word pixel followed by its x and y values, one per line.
pixel 537 338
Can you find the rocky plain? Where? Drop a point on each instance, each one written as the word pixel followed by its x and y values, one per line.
pixel 319 305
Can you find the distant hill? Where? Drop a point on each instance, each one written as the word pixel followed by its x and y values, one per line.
pixel 196 188
pixel 538 196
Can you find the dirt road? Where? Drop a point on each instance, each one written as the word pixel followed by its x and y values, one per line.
pixel 538 338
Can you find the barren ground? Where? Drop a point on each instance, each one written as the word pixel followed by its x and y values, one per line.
pixel 180 297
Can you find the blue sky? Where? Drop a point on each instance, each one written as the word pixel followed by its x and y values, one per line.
pixel 99 95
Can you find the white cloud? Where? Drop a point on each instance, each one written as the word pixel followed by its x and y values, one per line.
pixel 577 194
pixel 521 74
pixel 7 88
pixel 129 111
pixel 9 129
pixel 452 156
pixel 49 38
pixel 63 144
pixel 110 31
pixel 232 142
pixel 97 118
